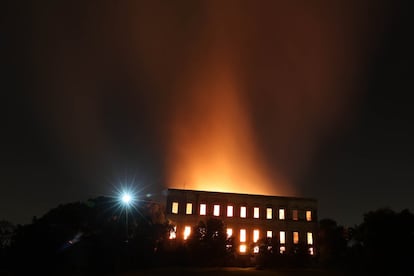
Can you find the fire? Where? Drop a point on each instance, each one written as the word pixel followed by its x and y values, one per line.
pixel 214 148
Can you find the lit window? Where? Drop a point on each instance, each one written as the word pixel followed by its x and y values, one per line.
pixel 282 250
pixel 243 211
pixel 256 249
pixel 282 237
pixel 174 208
pixel 256 212
pixel 203 209
pixel 242 235
pixel 281 214
pixel 311 252
pixel 216 210
pixel 187 232
pixel 173 233
pixel 269 234
pixel 269 213
pixel 295 237
pixel 242 248
pixel 309 238
pixel 255 235
pixel 295 214
pixel 229 232
pixel 308 215
pixel 229 211
pixel 189 208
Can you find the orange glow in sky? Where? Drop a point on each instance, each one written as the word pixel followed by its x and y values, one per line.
pixel 214 149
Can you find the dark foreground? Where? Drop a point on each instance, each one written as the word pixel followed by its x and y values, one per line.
pixel 232 271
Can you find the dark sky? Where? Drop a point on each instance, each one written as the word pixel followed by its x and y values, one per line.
pixel 315 96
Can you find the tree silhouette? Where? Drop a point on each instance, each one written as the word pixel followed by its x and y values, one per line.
pixel 208 239
pixel 332 242
pixel 388 239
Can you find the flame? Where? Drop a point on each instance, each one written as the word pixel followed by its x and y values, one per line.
pixel 214 148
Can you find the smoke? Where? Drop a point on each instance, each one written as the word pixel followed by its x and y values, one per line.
pixel 227 95
pixel 212 143
pixel 271 83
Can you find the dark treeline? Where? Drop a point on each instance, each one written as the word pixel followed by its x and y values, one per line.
pixel 382 243
pixel 92 236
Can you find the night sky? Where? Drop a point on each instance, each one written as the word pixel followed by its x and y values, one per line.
pixel 313 98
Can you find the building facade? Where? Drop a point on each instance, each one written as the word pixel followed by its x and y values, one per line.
pixel 288 221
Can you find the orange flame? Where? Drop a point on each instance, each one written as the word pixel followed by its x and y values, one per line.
pixel 214 149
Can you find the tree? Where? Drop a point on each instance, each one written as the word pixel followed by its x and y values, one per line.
pixel 332 242
pixel 387 238
pixel 208 239
pixel 6 231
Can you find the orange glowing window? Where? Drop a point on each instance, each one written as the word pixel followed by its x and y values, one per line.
pixel 256 234
pixel 229 232
pixel 282 237
pixel 309 238
pixel 269 213
pixel 216 210
pixel 243 211
pixel 295 237
pixel 187 232
pixel 229 211
pixel 203 209
pixel 189 208
pixel 256 212
pixel 269 234
pixel 242 235
pixel 282 250
pixel 308 215
pixel 242 248
pixel 281 214
pixel 295 215
pixel 174 208
pixel 173 233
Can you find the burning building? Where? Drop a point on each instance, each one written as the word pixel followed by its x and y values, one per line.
pixel 248 218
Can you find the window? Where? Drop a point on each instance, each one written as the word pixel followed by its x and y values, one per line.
pixel 269 213
pixel 256 233
pixel 229 232
pixel 173 233
pixel 174 208
pixel 256 249
pixel 229 211
pixel 242 235
pixel 295 215
pixel 189 208
pixel 282 237
pixel 309 238
pixel 243 212
pixel 216 210
pixel 187 232
pixel 256 212
pixel 269 234
pixel 311 252
pixel 282 250
pixel 203 209
pixel 295 237
pixel 281 214
pixel 242 248
pixel 308 215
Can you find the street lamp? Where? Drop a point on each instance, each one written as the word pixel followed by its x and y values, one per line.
pixel 127 200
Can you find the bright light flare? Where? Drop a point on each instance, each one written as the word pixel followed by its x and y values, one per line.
pixel 126 198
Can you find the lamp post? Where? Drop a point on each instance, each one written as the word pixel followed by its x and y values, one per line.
pixel 126 199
